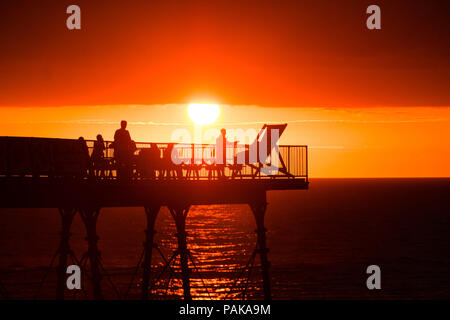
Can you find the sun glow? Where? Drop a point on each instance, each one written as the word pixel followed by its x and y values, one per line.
pixel 203 114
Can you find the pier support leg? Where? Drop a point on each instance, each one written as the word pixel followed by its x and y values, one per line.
pixel 89 216
pixel 67 215
pixel 151 213
pixel 259 210
pixel 179 214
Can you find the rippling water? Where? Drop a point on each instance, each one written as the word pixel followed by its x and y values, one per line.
pixel 320 240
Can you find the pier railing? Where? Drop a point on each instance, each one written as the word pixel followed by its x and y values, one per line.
pixel 198 161
pixel 21 156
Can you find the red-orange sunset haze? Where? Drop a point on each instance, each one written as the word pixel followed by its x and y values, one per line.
pixel 368 102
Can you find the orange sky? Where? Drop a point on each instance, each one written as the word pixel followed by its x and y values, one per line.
pixel 368 103
pixel 343 142
pixel 257 52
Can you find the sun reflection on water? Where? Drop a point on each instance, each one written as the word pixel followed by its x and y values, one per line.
pixel 221 240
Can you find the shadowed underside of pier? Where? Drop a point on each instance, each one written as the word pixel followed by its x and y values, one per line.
pixel 88 196
pixel 56 173
pixel 47 193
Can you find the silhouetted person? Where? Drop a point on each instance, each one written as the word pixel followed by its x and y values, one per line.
pixel 149 161
pixel 98 156
pixel 221 153
pixel 169 168
pixel 122 139
pixel 123 151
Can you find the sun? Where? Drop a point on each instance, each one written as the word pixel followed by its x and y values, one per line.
pixel 203 113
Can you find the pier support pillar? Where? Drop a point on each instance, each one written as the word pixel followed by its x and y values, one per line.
pixel 179 214
pixel 89 216
pixel 67 215
pixel 151 212
pixel 259 210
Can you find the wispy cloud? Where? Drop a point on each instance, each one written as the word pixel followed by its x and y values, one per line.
pixel 154 123
pixel 109 122
pixel 339 121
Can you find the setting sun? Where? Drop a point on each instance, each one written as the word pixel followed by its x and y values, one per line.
pixel 202 113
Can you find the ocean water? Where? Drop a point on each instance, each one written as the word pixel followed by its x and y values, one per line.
pixel 321 241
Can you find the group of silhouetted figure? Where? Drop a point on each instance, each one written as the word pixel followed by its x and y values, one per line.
pixel 149 163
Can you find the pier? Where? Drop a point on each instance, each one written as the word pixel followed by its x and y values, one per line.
pixel 49 173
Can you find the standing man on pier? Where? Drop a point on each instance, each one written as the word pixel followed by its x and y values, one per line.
pixel 221 153
pixel 123 151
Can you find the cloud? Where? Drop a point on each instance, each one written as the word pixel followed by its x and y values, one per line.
pixel 153 123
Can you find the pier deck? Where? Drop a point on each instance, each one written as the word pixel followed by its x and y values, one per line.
pixel 44 193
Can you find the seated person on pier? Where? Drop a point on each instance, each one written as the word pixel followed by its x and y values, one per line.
pixel 149 161
pixel 169 168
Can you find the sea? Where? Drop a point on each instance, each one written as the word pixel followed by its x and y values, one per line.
pixel 321 242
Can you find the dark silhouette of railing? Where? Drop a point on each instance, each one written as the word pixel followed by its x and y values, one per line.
pixel 45 157
pixel 197 161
